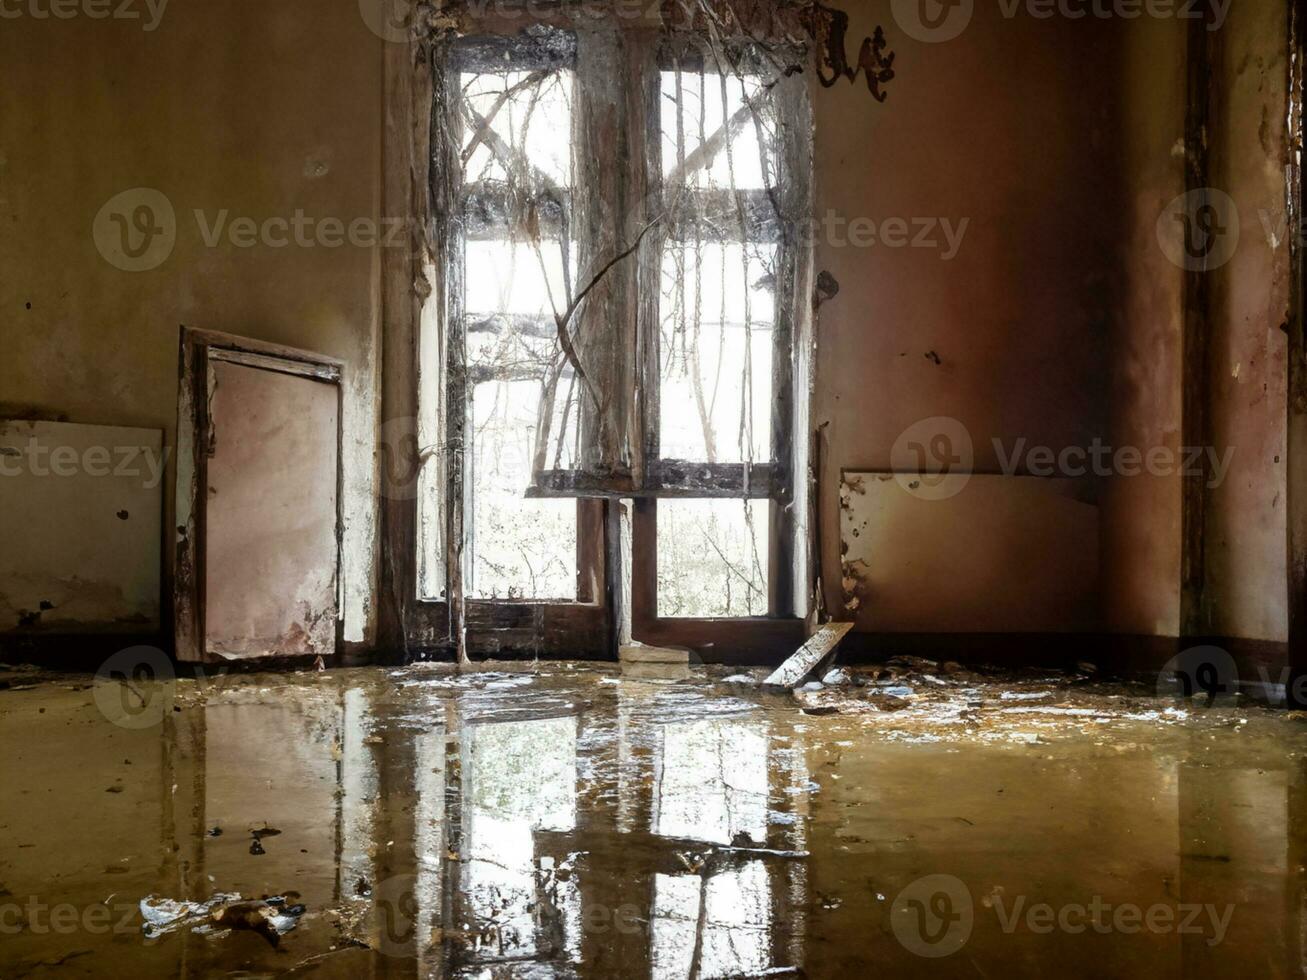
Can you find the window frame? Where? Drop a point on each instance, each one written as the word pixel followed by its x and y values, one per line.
pixel 593 624
pixel 497 54
pixel 584 626
pixel 778 632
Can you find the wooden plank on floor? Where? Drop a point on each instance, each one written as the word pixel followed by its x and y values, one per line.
pixel 809 656
pixel 639 653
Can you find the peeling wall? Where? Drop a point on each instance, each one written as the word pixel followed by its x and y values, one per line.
pixel 998 552
pixel 259 110
pixel 80 527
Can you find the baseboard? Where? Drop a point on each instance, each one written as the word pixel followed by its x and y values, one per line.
pixel 1113 654
pixel 79 652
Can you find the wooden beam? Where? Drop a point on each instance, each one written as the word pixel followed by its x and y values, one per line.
pixel 640 653
pixel 808 657
pixel 1195 342
pixel 399 309
pixel 668 478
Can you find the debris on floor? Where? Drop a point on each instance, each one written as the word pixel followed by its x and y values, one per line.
pixel 257 835
pixel 918 698
pixel 269 917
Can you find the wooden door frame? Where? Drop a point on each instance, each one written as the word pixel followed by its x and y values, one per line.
pixel 1296 403
pixel 198 349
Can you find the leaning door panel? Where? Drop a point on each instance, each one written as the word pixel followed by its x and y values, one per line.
pixel 270 583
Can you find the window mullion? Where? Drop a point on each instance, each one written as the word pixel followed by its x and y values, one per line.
pixel 646 181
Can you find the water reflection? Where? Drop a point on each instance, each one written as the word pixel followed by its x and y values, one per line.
pixel 519 777
pixel 711 782
pixel 580 823
pixel 717 926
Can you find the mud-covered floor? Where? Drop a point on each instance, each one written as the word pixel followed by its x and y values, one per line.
pixel 578 820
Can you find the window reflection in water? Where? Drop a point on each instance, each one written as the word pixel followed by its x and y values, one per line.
pixel 351 783
pixel 736 909
pixel 358 793
pixel 711 782
pixel 518 778
pixel 712 785
pixel 510 867
pixel 429 846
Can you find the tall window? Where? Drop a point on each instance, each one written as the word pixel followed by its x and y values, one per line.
pixel 516 139
pixel 718 144
pixel 617 212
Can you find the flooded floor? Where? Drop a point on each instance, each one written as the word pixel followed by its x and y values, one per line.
pixel 568 819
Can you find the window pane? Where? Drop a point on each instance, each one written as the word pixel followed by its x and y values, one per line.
pixel 529 111
pixel 521 549
pixel 514 278
pixel 517 137
pixel 716 352
pixel 431 439
pixel 712 558
pixel 706 110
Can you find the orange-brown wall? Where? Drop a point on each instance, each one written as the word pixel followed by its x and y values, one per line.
pixel 1140 526
pixel 1015 126
pixel 1057 321
pixel 1060 319
pixel 256 108
pixel 1245 593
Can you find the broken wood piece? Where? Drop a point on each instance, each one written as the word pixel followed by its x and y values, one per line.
pixel 808 657
pixel 639 653
pixel 655 672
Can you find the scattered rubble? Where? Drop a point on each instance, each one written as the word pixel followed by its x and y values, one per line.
pixel 271 917
pixel 917 699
